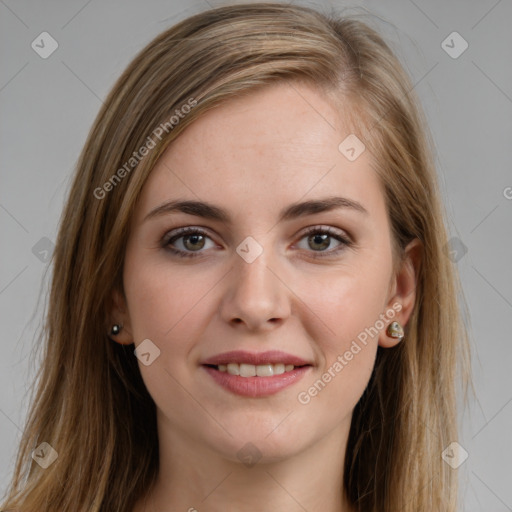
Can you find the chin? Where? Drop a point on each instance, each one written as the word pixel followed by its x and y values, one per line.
pixel 258 443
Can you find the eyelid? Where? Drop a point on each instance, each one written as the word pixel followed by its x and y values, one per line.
pixel 341 235
pixel 330 230
pixel 177 233
pixel 185 230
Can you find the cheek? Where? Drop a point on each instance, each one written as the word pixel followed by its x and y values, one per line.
pixel 349 305
pixel 169 308
pixel 346 354
pixel 162 299
pixel 346 302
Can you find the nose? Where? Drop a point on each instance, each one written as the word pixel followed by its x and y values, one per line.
pixel 256 296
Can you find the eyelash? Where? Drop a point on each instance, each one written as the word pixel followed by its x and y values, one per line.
pixel 181 232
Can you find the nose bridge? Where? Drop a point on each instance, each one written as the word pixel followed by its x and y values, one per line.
pixel 255 294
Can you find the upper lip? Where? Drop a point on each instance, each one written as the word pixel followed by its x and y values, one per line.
pixel 259 358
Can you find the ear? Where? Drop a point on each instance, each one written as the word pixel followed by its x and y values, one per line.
pixel 402 295
pixel 119 315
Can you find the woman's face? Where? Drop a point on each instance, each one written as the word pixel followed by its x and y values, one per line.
pixel 258 173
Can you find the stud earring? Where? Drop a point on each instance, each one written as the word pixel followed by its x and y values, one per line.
pixel 116 329
pixel 395 330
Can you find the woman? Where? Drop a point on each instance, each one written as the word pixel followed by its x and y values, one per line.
pixel 251 304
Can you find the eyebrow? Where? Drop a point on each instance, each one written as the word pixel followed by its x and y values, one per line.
pixel 293 211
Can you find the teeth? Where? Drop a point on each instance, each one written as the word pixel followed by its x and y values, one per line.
pixel 251 370
pixel 247 370
pixel 233 369
pixel 279 369
pixel 264 370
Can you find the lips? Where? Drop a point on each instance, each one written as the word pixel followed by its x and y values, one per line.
pixel 261 358
pixel 256 374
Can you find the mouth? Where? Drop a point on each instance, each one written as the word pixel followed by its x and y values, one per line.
pixel 256 375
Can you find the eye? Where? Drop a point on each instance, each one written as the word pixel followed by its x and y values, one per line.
pixel 320 239
pixel 191 240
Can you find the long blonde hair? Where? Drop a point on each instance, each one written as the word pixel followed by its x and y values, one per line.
pixel 90 403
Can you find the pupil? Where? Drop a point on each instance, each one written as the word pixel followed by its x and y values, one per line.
pixel 323 241
pixel 193 239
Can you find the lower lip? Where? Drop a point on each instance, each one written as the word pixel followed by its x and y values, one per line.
pixel 256 386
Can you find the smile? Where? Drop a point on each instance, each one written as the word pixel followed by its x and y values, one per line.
pixel 256 374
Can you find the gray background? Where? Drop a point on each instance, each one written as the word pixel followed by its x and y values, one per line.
pixel 48 106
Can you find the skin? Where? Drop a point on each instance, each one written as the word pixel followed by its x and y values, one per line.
pixel 255 156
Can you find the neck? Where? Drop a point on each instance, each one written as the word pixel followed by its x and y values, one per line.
pixel 195 478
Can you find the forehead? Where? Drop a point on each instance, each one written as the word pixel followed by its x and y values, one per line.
pixel 267 148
